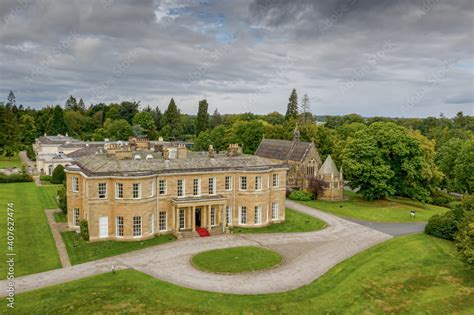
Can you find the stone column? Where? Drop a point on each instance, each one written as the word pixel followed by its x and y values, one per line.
pixel 193 217
pixel 223 218
pixel 209 216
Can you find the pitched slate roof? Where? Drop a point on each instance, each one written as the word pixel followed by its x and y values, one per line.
pixel 283 149
pixel 100 164
pixel 329 167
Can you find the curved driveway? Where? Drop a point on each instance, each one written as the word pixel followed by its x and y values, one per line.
pixel 306 257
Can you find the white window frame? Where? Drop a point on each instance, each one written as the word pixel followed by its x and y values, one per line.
pixel 212 184
pixel 163 221
pixel 228 183
pixel 118 190
pixel 119 226
pixel 153 188
pixel 151 223
pixel 138 190
pixel 274 211
pixel 258 215
pixel 104 186
pixel 182 218
pixel 162 187
pixel 75 184
pixel 181 192
pixel 196 187
pixel 137 223
pixel 228 214
pixel 275 180
pixel 213 217
pixel 242 213
pixel 75 217
pixel 242 181
pixel 258 183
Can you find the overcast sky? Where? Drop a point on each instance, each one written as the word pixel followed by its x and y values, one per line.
pixel 380 57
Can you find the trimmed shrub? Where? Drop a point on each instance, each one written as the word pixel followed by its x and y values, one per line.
pixel 15 178
pixel 58 175
pixel 465 239
pixel 45 178
pixel 442 226
pixel 300 195
pixel 61 197
pixel 84 226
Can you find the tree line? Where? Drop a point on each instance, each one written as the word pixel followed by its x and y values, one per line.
pixel 382 156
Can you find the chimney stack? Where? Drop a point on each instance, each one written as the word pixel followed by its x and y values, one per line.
pixel 211 152
pixel 234 150
pixel 182 151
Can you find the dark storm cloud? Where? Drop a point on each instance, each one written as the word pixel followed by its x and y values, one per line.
pixel 370 57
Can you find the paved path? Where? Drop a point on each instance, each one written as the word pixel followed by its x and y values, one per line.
pixel 392 228
pixel 306 257
pixel 56 229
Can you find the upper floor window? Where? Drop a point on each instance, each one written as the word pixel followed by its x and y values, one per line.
pixel 258 183
pixel 243 182
pixel 75 184
pixel 102 190
pixel 196 187
pixel 180 189
pixel 212 185
pixel 228 183
pixel 162 186
pixel 276 180
pixel 118 190
pixel 136 190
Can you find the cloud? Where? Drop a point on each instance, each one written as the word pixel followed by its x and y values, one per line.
pixel 370 57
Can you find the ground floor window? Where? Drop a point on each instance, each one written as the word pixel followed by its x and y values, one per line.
pixel 258 215
pixel 274 210
pixel 213 216
pixel 228 214
pixel 181 219
pixel 75 218
pixel 119 227
pixel 151 223
pixel 137 226
pixel 162 225
pixel 243 215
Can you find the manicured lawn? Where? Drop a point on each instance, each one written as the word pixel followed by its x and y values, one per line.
pixel 48 195
pixel 8 162
pixel 236 259
pixel 80 251
pixel 410 274
pixel 294 222
pixel 395 209
pixel 60 217
pixel 34 245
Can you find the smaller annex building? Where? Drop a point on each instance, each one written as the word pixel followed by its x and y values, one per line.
pixel 134 195
pixel 304 162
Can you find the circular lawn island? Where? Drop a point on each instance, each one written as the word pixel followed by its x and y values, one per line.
pixel 236 260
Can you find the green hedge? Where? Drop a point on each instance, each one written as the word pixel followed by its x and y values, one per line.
pixel 84 226
pixel 300 195
pixel 442 226
pixel 15 178
pixel 45 178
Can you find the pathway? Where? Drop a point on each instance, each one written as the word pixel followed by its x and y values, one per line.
pixel 307 256
pixel 56 229
pixel 393 228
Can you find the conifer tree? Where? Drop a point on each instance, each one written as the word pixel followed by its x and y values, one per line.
pixel 292 109
pixel 56 124
pixel 202 123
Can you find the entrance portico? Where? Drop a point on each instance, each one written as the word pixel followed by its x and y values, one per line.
pixel 203 211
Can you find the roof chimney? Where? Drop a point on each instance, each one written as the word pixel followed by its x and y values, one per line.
pixel 182 151
pixel 234 149
pixel 211 152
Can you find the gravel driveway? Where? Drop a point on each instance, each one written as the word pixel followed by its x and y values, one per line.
pixel 307 256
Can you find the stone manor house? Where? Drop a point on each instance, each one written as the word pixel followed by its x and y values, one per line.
pixel 135 193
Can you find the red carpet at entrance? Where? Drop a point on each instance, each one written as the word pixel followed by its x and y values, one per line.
pixel 202 232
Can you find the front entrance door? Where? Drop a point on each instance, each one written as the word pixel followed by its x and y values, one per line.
pixel 197 215
pixel 103 226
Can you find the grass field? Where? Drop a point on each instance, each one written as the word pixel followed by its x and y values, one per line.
pixel 410 274
pixel 294 222
pixel 34 245
pixel 236 259
pixel 7 162
pixel 395 209
pixel 80 251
